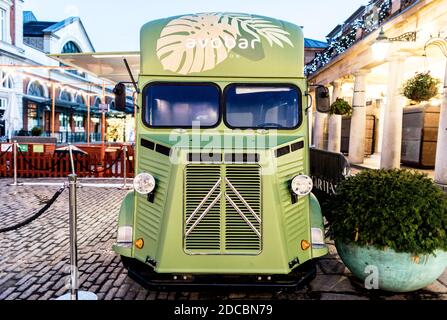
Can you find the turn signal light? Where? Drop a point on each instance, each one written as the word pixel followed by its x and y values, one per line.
pixel 305 245
pixel 139 243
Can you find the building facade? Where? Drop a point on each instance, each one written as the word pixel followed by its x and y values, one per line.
pixel 33 84
pixel 369 68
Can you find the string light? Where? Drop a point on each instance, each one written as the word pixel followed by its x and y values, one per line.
pixel 340 44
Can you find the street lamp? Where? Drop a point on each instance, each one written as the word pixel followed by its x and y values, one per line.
pixel 381 46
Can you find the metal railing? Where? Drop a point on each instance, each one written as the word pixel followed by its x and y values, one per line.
pixel 356 29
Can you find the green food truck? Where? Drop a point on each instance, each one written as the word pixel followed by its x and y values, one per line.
pixel 222 194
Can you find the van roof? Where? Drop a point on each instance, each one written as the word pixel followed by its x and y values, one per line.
pixel 222 45
pixel 230 45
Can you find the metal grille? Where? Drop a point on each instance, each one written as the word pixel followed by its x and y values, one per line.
pixel 223 209
pixel 243 195
pixel 202 207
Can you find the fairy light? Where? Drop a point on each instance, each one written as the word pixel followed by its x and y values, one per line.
pixel 340 44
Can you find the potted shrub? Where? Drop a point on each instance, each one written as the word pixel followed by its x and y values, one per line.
pixel 394 220
pixel 421 87
pixel 36 132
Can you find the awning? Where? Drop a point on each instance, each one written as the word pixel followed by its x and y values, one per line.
pixel 107 66
pixel 38 100
pixel 66 104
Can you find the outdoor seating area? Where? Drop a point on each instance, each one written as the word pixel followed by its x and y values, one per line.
pixel 37 160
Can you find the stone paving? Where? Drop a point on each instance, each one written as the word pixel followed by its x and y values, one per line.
pixel 34 260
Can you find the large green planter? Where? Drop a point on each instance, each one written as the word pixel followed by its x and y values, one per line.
pixel 398 272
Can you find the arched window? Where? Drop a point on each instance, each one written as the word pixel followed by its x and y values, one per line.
pixel 35 89
pixel 71 47
pixel 6 80
pixel 97 102
pixel 66 96
pixel 80 100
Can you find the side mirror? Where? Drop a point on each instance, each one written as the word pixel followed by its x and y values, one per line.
pixel 323 102
pixel 120 97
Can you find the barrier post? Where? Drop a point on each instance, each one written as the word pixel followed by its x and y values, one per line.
pixel 124 187
pixel 74 294
pixel 72 200
pixel 14 150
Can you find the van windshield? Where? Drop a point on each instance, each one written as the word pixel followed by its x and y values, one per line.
pixel 181 105
pixel 262 106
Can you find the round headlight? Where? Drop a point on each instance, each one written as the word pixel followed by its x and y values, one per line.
pixel 144 183
pixel 302 185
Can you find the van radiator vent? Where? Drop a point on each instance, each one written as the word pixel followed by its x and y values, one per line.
pixel 223 213
pixel 241 235
pixel 203 192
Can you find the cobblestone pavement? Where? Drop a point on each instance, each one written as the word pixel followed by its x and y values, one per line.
pixel 34 260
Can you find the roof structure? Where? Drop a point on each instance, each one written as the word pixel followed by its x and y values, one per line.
pixel 34 28
pixel 108 66
pixel 28 16
pixel 314 44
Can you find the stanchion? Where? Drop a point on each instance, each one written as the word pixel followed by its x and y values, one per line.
pixel 14 148
pixel 74 293
pixel 125 186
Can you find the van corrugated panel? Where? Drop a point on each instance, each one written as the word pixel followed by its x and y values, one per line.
pixel 295 219
pixel 199 181
pixel 150 214
pixel 239 236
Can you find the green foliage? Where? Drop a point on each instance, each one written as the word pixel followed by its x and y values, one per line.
pixel 36 131
pixel 341 107
pixel 398 209
pixel 422 87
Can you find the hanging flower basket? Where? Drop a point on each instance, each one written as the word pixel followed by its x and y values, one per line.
pixel 341 107
pixel 422 87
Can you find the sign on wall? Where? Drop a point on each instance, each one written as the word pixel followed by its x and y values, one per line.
pixel 38 148
pixel 104 107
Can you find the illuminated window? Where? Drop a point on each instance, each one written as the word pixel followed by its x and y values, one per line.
pixel 33 118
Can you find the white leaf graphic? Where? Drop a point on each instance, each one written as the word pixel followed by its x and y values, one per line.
pixel 199 42
pixel 261 27
pixel 207 33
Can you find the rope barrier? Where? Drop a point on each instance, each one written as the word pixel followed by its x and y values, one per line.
pixel 36 215
pixel 2 154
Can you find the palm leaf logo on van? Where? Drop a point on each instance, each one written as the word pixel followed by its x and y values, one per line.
pixel 200 42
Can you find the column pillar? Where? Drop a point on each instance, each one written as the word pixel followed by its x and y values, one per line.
pixel 358 120
pixel 441 152
pixel 393 116
pixel 320 120
pixel 335 120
